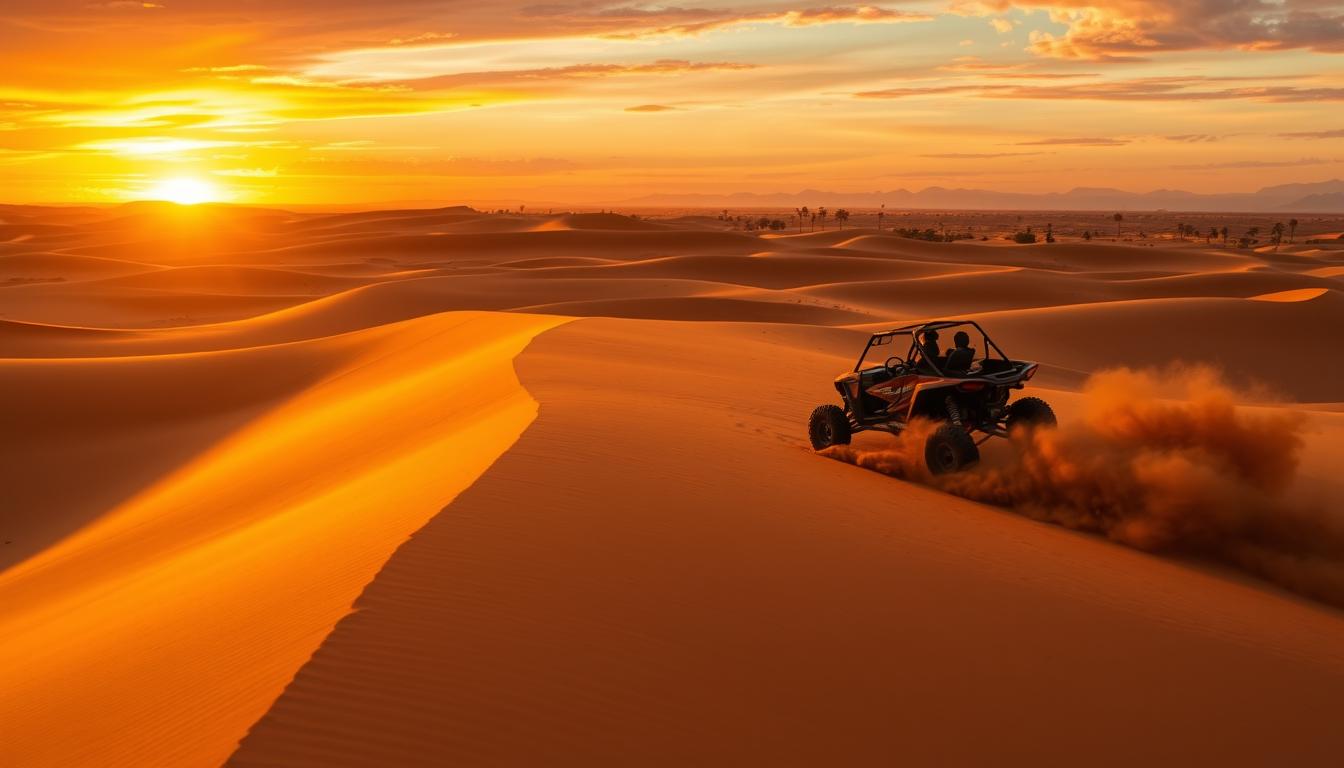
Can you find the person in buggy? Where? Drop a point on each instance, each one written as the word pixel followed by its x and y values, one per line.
pixel 928 353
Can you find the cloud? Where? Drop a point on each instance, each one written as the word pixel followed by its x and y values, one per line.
pixel 229 69
pixel 155 145
pixel 699 21
pixel 1130 29
pixel 1335 134
pixel 1006 71
pixel 651 108
pixel 1002 26
pixel 868 14
pixel 358 166
pixel 424 38
pixel 1244 164
pixel 1077 142
pixel 1181 89
pixel 660 67
pixel 247 173
pixel 979 155
pixel 1193 138
pixel 569 72
pixel 122 5
pixel 934 90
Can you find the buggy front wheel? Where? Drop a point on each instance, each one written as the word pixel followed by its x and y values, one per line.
pixel 828 426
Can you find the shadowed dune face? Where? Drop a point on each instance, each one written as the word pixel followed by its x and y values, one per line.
pixel 286 474
pixel 224 422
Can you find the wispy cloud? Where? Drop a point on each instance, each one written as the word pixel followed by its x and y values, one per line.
pixel 1334 134
pixel 1074 142
pixel 1140 89
pixel 979 155
pixel 1246 164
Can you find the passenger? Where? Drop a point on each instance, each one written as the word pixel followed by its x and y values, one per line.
pixel 960 340
pixel 962 354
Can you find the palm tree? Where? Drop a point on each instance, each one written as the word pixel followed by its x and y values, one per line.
pixel 1277 231
pixel 802 214
pixel 814 222
pixel 1208 238
pixel 1223 232
pixel 1119 217
pixel 1292 229
pixel 842 216
pixel 821 213
pixel 1180 230
pixel 881 214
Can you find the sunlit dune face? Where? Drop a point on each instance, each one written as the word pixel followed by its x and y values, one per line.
pixel 185 191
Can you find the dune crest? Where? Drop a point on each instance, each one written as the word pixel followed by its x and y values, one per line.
pixel 1299 294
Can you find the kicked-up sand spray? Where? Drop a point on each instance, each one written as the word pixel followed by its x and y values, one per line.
pixel 1162 461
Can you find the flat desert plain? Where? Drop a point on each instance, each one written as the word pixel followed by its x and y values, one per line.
pixel 440 487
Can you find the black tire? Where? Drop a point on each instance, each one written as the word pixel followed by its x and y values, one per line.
pixel 950 449
pixel 1032 413
pixel 828 426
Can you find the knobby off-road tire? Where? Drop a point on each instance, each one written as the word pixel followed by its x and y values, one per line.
pixel 828 426
pixel 950 449
pixel 1031 413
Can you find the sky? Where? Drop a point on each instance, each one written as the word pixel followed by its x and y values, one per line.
pixel 354 102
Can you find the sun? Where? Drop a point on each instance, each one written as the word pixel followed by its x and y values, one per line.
pixel 185 190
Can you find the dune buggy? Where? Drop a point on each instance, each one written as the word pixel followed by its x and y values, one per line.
pixel 965 391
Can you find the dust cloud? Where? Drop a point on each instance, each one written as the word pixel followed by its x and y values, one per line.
pixel 1165 461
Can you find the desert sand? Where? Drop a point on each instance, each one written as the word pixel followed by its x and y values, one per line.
pixel 433 487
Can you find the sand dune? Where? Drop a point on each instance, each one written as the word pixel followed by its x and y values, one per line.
pixel 329 460
pixel 226 423
pixel 731 601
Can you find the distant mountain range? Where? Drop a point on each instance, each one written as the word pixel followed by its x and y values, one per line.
pixel 1322 197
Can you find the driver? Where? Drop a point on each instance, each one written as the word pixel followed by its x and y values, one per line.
pixel 928 347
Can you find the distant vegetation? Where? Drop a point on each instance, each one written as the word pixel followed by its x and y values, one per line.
pixel 1143 226
pixel 933 235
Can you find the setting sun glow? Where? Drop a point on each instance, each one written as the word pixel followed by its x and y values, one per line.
pixel 185 191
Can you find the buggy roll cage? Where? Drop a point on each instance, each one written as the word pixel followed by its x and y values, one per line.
pixel 917 330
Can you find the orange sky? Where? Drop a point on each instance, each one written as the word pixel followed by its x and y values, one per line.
pixel 346 101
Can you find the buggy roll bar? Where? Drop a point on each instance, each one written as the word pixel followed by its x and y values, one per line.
pixel 918 329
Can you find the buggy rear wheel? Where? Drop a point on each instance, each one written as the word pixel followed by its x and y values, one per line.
pixel 1030 413
pixel 950 449
pixel 828 426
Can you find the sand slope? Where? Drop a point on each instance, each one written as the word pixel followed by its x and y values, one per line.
pixel 180 612
pixel 689 585
pixel 225 421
